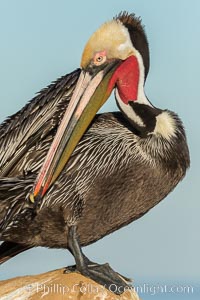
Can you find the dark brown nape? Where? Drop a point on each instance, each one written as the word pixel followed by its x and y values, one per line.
pixel 137 35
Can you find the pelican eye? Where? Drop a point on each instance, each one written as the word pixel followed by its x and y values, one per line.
pixel 100 58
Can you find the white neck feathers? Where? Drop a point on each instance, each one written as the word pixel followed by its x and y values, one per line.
pixel 165 125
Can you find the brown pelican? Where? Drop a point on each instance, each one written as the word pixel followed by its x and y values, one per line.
pixel 82 182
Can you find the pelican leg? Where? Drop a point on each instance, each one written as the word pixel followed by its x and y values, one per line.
pixel 102 274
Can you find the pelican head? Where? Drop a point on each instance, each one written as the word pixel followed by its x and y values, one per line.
pixel 115 57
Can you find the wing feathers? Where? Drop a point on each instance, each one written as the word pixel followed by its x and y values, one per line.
pixel 33 122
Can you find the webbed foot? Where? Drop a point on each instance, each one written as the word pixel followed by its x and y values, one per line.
pixel 102 274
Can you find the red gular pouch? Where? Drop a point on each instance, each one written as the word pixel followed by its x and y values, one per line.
pixel 126 79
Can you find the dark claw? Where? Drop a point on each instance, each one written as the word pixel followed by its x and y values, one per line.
pixel 70 269
pixel 105 276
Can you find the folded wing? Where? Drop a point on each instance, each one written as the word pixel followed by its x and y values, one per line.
pixel 34 123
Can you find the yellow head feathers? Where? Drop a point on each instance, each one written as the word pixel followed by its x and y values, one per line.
pixel 113 37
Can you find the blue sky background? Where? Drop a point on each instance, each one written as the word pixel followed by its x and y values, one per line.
pixel 41 40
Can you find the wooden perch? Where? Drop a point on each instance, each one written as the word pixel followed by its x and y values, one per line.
pixel 56 285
